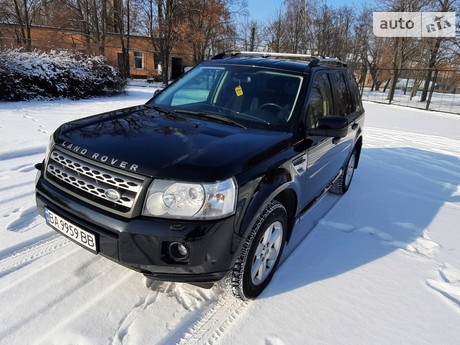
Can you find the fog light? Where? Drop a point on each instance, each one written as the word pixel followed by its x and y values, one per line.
pixel 179 251
pixel 182 249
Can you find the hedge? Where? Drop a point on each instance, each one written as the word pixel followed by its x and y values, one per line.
pixel 58 74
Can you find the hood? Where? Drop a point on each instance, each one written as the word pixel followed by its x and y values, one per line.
pixel 144 141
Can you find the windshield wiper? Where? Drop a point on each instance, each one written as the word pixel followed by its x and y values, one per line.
pixel 160 110
pixel 210 116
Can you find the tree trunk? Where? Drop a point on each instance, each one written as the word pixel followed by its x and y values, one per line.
pixel 397 62
pixel 27 26
pixel 431 66
pixel 22 32
pixel 386 85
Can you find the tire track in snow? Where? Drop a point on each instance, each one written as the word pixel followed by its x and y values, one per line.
pixel 17 185
pixel 28 195
pixel 215 320
pixel 65 302
pixel 200 304
pixel 31 252
pixel 85 307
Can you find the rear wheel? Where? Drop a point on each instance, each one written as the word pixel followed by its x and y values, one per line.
pixel 261 253
pixel 343 182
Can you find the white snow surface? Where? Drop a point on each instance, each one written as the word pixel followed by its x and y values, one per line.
pixel 381 264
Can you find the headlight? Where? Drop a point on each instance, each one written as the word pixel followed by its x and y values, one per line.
pixel 182 200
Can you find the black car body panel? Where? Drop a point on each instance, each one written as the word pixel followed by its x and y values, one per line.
pixel 196 148
pixel 267 152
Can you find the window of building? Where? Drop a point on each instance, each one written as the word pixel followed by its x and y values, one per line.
pixel 138 60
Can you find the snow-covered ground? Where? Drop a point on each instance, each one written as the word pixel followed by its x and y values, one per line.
pixel 448 102
pixel 381 265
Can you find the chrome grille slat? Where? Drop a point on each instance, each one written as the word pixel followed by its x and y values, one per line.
pixel 97 173
pixel 89 182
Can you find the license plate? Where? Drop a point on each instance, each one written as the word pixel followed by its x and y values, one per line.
pixel 70 230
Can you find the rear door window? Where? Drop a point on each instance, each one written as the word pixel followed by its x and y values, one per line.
pixel 355 100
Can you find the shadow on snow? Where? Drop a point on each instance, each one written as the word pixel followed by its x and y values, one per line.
pixel 395 195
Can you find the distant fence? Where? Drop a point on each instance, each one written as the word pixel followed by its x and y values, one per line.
pixel 443 91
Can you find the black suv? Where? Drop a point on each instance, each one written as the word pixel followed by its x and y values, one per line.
pixel 206 180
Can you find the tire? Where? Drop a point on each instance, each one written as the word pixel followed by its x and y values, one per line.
pixel 342 184
pixel 261 253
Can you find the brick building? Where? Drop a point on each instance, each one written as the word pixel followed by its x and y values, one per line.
pixel 143 60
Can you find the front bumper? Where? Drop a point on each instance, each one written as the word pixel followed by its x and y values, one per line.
pixel 144 243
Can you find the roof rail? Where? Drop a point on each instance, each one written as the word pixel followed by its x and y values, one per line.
pixel 315 60
pixel 270 54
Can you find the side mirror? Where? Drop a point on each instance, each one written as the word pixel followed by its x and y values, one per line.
pixel 330 126
pixel 156 92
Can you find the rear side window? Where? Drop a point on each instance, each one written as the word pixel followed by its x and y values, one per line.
pixel 355 101
pixel 341 94
pixel 320 101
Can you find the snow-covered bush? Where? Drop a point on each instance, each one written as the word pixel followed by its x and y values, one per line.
pixel 28 75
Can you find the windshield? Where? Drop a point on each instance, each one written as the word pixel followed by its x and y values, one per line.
pixel 255 97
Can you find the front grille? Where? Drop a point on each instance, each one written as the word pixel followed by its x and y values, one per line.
pixel 90 182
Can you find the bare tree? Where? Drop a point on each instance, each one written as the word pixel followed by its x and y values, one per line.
pixel 165 35
pixel 275 33
pixel 123 28
pixel 295 21
pixel 205 21
pixel 251 35
pixel 21 13
pixel 92 19
pixel 163 21
pixel 306 27
pixel 434 45
pixel 366 48
pixel 403 47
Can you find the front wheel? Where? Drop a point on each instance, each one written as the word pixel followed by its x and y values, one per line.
pixel 343 182
pixel 261 252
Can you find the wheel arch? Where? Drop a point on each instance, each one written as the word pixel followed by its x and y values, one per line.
pixel 275 187
pixel 288 198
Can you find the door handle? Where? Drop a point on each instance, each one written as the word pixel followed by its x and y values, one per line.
pixel 354 126
pixel 336 140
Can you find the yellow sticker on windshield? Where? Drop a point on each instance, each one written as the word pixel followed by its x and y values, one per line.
pixel 239 91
